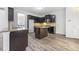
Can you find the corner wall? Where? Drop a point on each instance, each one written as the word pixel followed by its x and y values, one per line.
pixel 60 21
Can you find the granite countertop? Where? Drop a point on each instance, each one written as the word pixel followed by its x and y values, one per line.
pixel 17 29
pixel 41 26
pixel 46 25
pixel 14 29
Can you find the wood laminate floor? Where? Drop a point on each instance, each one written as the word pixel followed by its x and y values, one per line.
pixel 53 42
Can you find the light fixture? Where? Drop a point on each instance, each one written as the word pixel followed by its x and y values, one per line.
pixel 44 23
pixel 39 8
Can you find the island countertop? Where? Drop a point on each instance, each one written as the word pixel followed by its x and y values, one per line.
pixel 44 25
pixel 17 29
pixel 13 29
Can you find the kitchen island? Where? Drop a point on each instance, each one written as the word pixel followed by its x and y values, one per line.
pixel 15 40
pixel 40 32
pixel 41 29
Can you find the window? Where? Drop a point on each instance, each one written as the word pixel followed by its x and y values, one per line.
pixel 20 20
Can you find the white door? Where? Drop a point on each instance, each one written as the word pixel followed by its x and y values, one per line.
pixel 31 25
pixel 72 23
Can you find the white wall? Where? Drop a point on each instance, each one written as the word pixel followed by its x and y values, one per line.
pixel 3 19
pixel 60 21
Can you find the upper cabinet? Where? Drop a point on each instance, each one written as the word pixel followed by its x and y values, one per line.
pixel 35 18
pixel 50 18
pixel 42 19
pixel 10 14
pixel 47 18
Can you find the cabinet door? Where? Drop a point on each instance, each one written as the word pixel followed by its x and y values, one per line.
pixel 10 14
pixel 18 40
pixel 72 23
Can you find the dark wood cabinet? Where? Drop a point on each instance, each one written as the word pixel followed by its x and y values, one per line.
pixel 50 18
pixel 18 40
pixel 36 19
pixel 30 17
pixel 51 30
pixel 41 33
pixel 10 14
pixel 42 19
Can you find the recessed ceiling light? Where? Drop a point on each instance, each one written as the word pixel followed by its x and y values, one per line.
pixel 39 8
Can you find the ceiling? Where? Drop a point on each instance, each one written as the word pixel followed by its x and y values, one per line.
pixel 40 12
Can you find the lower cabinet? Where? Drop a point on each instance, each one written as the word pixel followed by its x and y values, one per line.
pixel 41 33
pixel 18 40
pixel 51 30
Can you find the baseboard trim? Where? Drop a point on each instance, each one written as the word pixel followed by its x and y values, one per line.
pixel 60 34
pixel 72 38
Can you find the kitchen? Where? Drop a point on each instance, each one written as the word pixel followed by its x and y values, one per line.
pixel 41 25
pixel 25 22
pixel 24 28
